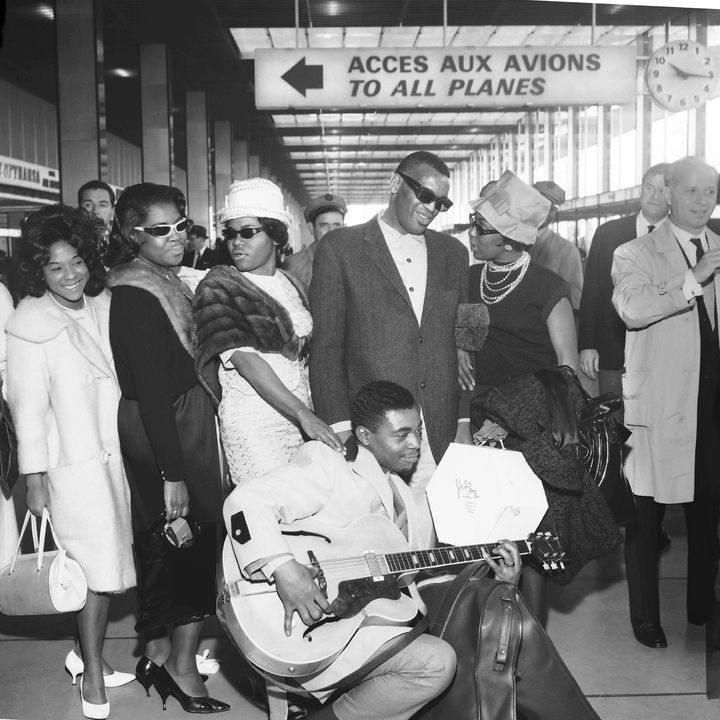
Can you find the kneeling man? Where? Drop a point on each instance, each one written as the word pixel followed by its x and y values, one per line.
pixel 323 489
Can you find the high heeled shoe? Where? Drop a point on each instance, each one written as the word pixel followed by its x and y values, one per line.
pixel 75 666
pixel 166 686
pixel 145 672
pixel 95 711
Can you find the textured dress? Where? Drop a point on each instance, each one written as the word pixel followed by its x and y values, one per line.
pixel 63 394
pixel 256 437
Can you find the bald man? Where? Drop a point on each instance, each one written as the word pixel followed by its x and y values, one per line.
pixel 665 289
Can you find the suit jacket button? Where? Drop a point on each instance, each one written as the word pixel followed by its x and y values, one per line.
pixel 422 385
pixel 420 339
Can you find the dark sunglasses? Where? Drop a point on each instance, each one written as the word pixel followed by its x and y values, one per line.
pixel 161 231
pixel 244 232
pixel 426 195
pixel 481 229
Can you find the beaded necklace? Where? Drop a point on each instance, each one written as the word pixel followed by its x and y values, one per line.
pixel 493 292
pixel 65 307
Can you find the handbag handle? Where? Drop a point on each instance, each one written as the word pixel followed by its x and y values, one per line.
pixel 38 542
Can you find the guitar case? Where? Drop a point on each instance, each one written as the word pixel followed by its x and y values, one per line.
pixel 507 666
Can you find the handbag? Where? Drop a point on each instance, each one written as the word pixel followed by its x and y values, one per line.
pixel 8 449
pixel 42 582
pixel 601 439
pixel 507 666
pixel 175 583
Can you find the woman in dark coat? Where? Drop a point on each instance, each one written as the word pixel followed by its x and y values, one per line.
pixel 168 440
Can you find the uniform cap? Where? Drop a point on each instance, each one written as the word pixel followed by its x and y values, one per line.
pixel 324 203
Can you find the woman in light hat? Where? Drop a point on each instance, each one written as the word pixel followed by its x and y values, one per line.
pixel 254 325
pixel 521 397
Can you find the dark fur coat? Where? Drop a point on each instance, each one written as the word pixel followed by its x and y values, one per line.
pixel 577 512
pixel 231 311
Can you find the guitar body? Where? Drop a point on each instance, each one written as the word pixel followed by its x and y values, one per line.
pixel 253 614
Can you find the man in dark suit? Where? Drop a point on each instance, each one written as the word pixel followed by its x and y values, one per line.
pixel 601 336
pixel 199 256
pixel 384 299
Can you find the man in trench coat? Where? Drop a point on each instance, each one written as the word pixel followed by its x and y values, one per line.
pixel 666 284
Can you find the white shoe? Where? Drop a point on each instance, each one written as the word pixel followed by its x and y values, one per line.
pixel 93 710
pixel 74 665
pixel 207 665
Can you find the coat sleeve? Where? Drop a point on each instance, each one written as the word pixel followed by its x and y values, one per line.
pixel 139 332
pixel 255 510
pixel 328 372
pixel 29 400
pixel 598 267
pixel 639 298
pixel 571 270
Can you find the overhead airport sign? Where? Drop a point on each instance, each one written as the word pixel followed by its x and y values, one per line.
pixel 484 77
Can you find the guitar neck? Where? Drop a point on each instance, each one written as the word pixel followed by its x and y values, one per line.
pixel 445 556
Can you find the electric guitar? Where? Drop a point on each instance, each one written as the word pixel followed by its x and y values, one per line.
pixel 362 585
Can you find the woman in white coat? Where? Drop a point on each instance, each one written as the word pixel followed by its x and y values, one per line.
pixel 63 394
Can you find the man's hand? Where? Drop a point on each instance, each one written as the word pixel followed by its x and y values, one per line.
pixel 590 363
pixel 466 376
pixel 462 434
pixel 707 265
pixel 299 593
pixel 508 567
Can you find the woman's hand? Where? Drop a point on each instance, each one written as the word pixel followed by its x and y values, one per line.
pixel 489 432
pixel 466 376
pixel 37 497
pixel 177 500
pixel 316 429
pixel 508 567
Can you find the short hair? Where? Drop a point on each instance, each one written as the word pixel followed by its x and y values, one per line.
pixel 133 206
pixel 687 162
pixel 422 157
pixel 96 185
pixel 374 400
pixel 59 223
pixel 199 230
pixel 658 169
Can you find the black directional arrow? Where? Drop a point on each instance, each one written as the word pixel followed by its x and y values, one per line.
pixel 304 77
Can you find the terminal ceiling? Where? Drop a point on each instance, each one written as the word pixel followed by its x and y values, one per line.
pixel 212 44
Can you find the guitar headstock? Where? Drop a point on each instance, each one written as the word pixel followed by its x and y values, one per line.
pixel 546 549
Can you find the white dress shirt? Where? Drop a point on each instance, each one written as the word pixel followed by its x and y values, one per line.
pixel 691 287
pixel 642 224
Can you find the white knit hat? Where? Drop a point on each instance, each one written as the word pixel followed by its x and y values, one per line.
pixel 255 197
pixel 514 208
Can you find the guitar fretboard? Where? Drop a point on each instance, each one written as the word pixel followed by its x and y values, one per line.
pixel 445 556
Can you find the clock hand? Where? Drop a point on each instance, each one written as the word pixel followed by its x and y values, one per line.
pixel 684 75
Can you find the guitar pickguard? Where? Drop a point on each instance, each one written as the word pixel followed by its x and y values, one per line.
pixel 354 595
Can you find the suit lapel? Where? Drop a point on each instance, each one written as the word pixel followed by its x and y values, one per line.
pixel 379 253
pixel 367 467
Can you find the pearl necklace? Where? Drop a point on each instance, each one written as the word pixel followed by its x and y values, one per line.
pixel 65 307
pixel 494 292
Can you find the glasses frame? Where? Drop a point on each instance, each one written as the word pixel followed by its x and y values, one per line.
pixel 425 195
pixel 479 229
pixel 172 227
pixel 232 233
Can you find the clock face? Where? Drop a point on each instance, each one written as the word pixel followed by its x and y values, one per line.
pixel 681 75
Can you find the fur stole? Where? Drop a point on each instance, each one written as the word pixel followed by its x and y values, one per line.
pixel 231 311
pixel 173 295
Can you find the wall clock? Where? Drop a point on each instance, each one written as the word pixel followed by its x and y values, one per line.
pixel 681 75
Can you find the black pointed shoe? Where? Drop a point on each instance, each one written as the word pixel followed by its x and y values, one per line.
pixel 649 633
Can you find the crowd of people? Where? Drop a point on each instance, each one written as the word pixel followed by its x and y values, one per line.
pixel 165 392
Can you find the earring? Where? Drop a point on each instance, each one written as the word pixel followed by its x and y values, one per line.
pixel 508 248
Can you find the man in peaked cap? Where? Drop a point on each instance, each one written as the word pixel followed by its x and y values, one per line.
pixel 553 251
pixel 323 214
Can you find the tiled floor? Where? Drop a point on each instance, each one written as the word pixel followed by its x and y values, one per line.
pixel 588 622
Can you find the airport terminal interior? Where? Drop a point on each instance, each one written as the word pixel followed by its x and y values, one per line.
pixel 327 96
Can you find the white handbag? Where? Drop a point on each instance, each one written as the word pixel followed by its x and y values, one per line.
pixel 42 582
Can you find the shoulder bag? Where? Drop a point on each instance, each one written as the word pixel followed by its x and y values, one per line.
pixel 42 582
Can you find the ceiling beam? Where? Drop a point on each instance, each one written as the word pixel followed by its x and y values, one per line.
pixel 389 160
pixel 369 130
pixel 404 149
